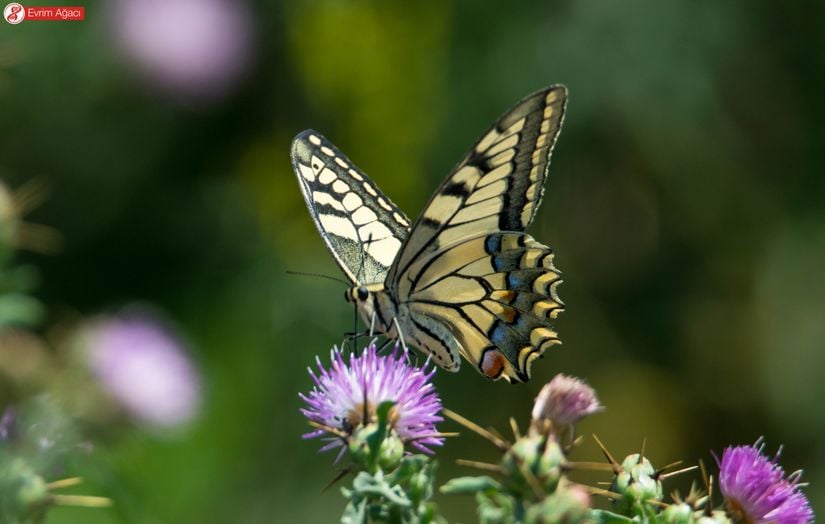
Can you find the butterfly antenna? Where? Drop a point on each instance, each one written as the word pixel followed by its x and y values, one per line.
pixel 319 275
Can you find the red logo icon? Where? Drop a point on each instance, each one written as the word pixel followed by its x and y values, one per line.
pixel 14 13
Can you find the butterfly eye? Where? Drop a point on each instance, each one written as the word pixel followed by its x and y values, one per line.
pixel 363 294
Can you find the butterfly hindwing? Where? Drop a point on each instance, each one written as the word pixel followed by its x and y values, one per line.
pixel 498 294
pixel 362 228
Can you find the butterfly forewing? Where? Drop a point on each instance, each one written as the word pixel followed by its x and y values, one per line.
pixel 362 228
pixel 499 184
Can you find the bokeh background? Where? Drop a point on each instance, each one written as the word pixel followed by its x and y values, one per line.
pixel 685 204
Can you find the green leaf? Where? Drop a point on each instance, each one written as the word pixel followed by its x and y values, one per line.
pixel 410 466
pixel 417 473
pixel 651 514
pixel 355 513
pixel 497 508
pixel 369 485
pixel 470 485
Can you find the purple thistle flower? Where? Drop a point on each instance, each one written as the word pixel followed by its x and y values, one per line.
pixel 756 490
pixel 145 368
pixel 337 400
pixel 564 401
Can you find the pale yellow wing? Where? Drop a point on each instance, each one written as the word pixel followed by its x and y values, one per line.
pixel 499 184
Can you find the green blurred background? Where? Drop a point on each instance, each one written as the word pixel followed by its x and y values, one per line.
pixel 685 204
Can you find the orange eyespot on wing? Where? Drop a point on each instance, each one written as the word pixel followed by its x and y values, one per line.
pixel 492 363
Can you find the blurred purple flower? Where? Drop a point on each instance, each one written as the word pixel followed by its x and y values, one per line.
pixel 145 368
pixel 8 423
pixel 565 400
pixel 756 490
pixel 195 49
pixel 337 400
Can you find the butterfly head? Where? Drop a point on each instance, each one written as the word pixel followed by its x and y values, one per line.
pixel 374 304
pixel 358 294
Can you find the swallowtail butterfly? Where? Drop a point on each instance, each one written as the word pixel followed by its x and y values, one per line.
pixel 464 278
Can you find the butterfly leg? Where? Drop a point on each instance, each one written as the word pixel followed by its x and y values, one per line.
pixel 352 337
pixel 400 336
pixel 355 325
pixel 414 359
pixel 385 345
pixel 372 324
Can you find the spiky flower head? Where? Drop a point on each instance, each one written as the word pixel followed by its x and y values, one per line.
pixel 756 490
pixel 564 401
pixel 346 396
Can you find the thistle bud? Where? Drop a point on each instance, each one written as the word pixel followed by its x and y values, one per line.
pixel 717 517
pixel 636 482
pixel 681 513
pixel 533 461
pixel 560 404
pixel 389 453
pixel 567 504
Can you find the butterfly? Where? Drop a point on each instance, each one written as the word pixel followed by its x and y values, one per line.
pixel 464 279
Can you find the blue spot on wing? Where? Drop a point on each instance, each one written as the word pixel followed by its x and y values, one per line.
pixel 513 281
pixel 498 334
pixel 493 244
